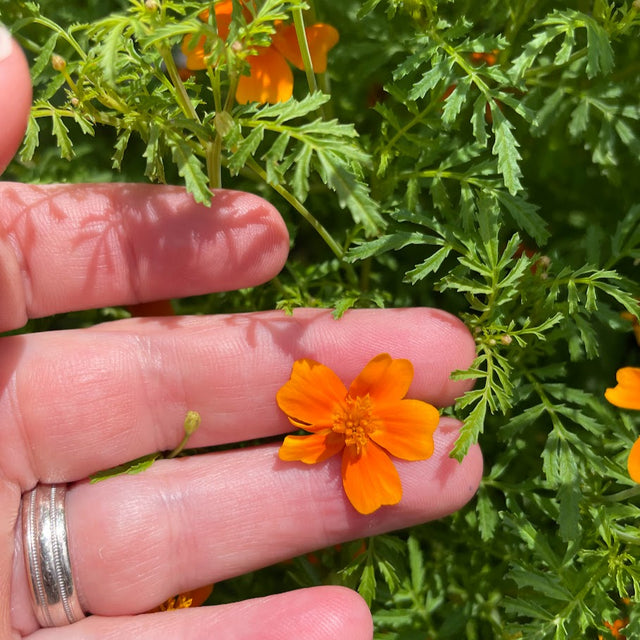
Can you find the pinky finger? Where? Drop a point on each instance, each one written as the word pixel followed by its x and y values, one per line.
pixel 318 613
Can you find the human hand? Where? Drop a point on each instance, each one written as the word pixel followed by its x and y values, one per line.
pixel 76 402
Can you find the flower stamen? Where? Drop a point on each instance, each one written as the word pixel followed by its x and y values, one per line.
pixel 355 421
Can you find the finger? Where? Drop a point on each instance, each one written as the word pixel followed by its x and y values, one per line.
pixel 81 401
pixel 313 614
pixel 136 540
pixel 15 97
pixel 66 247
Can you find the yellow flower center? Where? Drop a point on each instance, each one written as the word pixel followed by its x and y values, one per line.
pixel 355 420
pixel 181 601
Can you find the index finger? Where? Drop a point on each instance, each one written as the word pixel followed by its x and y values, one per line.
pixel 15 96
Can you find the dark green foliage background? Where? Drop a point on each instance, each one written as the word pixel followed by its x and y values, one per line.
pixel 446 199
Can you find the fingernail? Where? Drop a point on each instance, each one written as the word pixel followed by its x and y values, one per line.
pixel 5 43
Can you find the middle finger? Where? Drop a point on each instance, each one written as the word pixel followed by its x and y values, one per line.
pixel 87 400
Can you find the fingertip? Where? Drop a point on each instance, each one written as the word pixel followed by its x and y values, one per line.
pixel 335 612
pixel 271 243
pixel 15 96
pixel 441 485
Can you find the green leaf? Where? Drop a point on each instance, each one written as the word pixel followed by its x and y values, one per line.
pixel 61 133
pixel 190 168
pixel 128 468
pixel 430 265
pixel 391 242
pixel 525 215
pixel 479 120
pixel 31 140
pixel 367 585
pixel 599 51
pixel 246 149
pixel 570 497
pixel 352 193
pixel 505 147
pixel 43 60
pixel 120 147
pixel 416 564
pixel 472 427
pixel 487 515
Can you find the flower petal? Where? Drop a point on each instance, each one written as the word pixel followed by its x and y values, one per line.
pixel 633 463
pixel 370 480
pixel 270 79
pixel 321 38
pixel 310 396
pixel 406 428
pixel 384 379
pixel 194 55
pixel 626 393
pixel 312 448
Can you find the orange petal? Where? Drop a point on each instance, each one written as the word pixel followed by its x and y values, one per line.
pixel 370 480
pixel 311 394
pixel 633 463
pixel 626 393
pixel 313 448
pixel 269 80
pixel 321 38
pixel 407 429
pixel 384 379
pixel 195 56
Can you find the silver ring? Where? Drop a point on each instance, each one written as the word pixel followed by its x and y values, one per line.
pixel 46 554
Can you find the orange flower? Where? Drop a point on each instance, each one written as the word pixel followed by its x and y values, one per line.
pixel 193 598
pixel 615 628
pixel 270 78
pixel 366 423
pixel 626 394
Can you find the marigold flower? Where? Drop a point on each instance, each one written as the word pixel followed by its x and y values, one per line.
pixel 626 394
pixel 367 424
pixel 270 78
pixel 615 628
pixel 193 598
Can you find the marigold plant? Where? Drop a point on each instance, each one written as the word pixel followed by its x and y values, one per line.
pixel 478 157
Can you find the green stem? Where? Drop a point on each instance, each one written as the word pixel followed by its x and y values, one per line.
pixel 178 450
pixel 184 102
pixel 301 209
pixel 214 164
pixel 621 496
pixel 298 21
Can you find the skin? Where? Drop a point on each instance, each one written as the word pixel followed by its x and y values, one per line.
pixel 75 402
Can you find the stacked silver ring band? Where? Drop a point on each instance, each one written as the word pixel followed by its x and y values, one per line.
pixel 46 553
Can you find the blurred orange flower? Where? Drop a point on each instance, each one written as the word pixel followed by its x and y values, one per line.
pixel 626 394
pixel 270 78
pixel 367 424
pixel 615 628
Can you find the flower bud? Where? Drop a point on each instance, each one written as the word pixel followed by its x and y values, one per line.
pixel 506 340
pixel 191 422
pixel 58 62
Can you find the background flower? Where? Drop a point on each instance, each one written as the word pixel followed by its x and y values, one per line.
pixel 626 394
pixel 270 78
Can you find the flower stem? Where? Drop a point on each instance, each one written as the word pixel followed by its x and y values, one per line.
pixel 300 208
pixel 298 21
pixel 181 93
